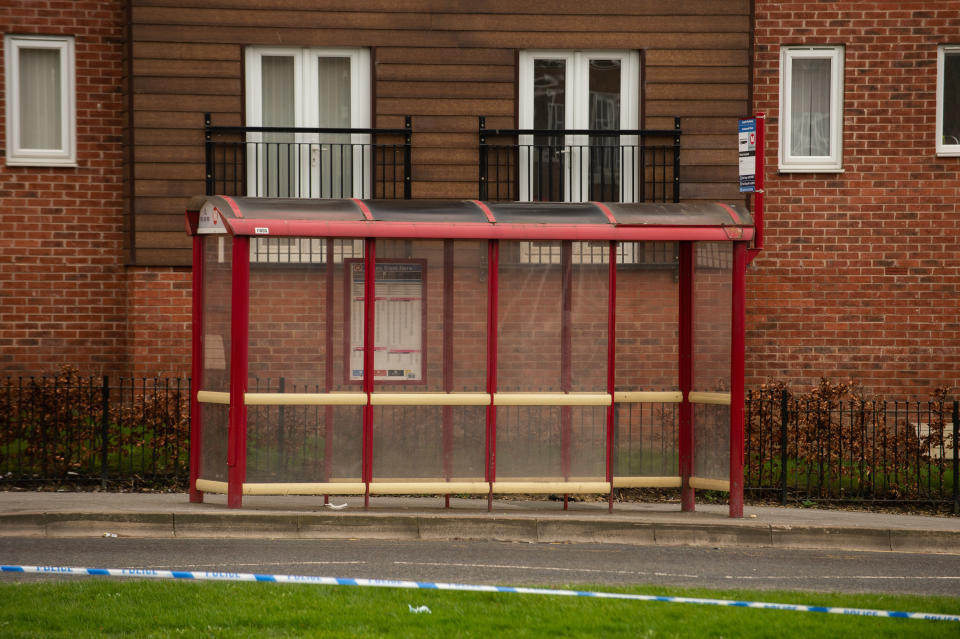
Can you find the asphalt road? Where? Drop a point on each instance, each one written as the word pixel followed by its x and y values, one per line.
pixel 505 563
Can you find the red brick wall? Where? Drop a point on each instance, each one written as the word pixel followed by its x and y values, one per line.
pixel 861 273
pixel 62 290
pixel 66 297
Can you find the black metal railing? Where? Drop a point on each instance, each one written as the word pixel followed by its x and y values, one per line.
pixel 89 430
pixel 801 449
pixel 622 165
pixel 300 162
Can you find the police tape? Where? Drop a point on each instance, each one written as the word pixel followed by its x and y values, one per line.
pixel 148 573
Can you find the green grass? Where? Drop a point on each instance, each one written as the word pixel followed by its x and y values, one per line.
pixel 106 608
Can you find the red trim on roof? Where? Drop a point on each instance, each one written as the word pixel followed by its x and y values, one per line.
pixel 363 207
pixel 606 211
pixel 233 205
pixel 486 211
pixel 729 209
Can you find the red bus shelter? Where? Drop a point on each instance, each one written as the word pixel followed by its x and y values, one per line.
pixel 369 347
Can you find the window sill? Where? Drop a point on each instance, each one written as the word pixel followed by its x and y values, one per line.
pixel 810 169
pixel 34 162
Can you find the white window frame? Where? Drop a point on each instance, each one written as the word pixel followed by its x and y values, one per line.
pixel 578 109
pixel 943 147
pixel 306 93
pixel 832 163
pixel 66 153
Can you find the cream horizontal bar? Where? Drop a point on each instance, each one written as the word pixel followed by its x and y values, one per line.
pixel 652 397
pixel 304 399
pixel 429 488
pixel 551 399
pixel 722 399
pixel 430 399
pixel 709 484
pixel 647 482
pixel 559 487
pixel 213 397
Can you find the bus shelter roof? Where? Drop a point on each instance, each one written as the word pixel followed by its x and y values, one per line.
pixel 469 219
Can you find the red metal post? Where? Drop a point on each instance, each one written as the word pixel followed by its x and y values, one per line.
pixel 685 316
pixel 196 348
pixel 566 357
pixel 493 303
pixel 369 346
pixel 759 197
pixel 328 368
pixel 448 329
pixel 239 335
pixel 611 362
pixel 737 353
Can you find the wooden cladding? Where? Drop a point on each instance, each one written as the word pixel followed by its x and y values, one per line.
pixel 444 62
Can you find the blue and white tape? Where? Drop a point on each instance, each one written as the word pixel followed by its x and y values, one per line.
pixel 147 573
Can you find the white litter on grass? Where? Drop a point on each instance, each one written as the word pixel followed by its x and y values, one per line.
pixel 109 534
pixel 336 506
pixel 418 609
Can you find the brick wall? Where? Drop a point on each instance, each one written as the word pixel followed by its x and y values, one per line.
pixel 861 273
pixel 62 290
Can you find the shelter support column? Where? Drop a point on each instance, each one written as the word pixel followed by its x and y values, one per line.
pixel 369 346
pixel 493 304
pixel 611 363
pixel 196 347
pixel 737 354
pixel 448 292
pixel 239 334
pixel 685 335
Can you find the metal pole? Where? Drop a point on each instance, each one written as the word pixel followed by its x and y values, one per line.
pixel 493 276
pixel 208 148
pixel 448 328
pixel 737 352
pixel 239 334
pixel 369 319
pixel 328 368
pixel 784 416
pixel 484 158
pixel 196 346
pixel 104 430
pixel 566 357
pixel 685 312
pixel 611 362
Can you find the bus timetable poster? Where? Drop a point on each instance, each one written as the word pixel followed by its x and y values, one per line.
pixel 399 326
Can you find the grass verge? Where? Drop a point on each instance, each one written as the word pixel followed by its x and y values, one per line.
pixel 106 608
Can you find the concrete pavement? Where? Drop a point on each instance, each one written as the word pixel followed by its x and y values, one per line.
pixel 171 515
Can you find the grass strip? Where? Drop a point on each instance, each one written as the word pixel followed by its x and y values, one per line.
pixel 106 608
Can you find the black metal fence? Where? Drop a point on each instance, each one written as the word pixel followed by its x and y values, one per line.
pixel 88 430
pixel 135 432
pixel 298 162
pixel 870 451
pixel 557 165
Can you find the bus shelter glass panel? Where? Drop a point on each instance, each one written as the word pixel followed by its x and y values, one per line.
pixel 646 434
pixel 713 282
pixel 552 327
pixel 430 337
pixel 297 346
pixel 216 304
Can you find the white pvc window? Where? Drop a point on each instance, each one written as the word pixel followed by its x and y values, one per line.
pixel 307 88
pixel 811 109
pixel 41 101
pixel 948 100
pixel 595 90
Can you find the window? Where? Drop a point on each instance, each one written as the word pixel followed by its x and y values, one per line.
pixel 948 100
pixel 41 130
pixel 578 90
pixel 316 88
pixel 811 109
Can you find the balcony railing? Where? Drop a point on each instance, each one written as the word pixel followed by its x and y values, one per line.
pixel 308 162
pixel 571 165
